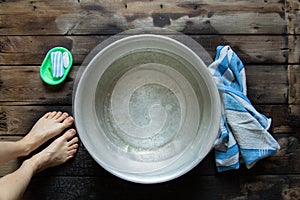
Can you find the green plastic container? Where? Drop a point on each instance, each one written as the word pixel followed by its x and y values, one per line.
pixel 46 68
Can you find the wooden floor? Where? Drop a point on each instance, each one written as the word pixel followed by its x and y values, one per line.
pixel 264 33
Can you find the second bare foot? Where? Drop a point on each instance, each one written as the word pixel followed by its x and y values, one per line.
pixel 58 152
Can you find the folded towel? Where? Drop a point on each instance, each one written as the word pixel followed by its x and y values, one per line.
pixel 57 64
pixel 243 130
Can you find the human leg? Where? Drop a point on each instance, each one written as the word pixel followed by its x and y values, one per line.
pixel 12 186
pixel 48 126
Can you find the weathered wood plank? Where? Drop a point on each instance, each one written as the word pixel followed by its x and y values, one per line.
pixel 251 49
pixel 263 82
pixel 285 119
pixel 270 187
pixel 293 16
pixel 294 49
pixel 297 18
pixel 111 17
pixel 294 84
pixel 23 84
pixel 14 120
pixel 31 50
pixel 26 50
pixel 294 119
pixel 287 160
pixel 114 188
pixel 195 187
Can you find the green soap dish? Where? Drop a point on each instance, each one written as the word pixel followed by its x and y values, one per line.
pixel 46 67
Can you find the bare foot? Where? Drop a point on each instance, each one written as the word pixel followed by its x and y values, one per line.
pixel 48 126
pixel 58 152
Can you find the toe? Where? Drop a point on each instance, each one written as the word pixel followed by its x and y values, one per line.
pixel 73 141
pixel 52 114
pixel 72 152
pixel 68 121
pixel 57 115
pixel 63 116
pixel 74 146
pixel 47 115
pixel 70 156
pixel 69 134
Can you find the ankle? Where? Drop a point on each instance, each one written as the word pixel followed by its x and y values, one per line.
pixel 32 164
pixel 39 162
pixel 24 146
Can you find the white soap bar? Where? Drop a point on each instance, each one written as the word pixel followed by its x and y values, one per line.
pixel 66 59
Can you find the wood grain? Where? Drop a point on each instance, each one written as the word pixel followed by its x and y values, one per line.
pixel 111 17
pixel 264 33
pixel 31 50
pixel 227 187
pixel 23 84
pixel 294 89
pixel 287 160
pixel 14 120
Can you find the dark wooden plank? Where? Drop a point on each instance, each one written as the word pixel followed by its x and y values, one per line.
pixel 251 49
pixel 111 17
pixel 114 188
pixel 15 120
pixel 26 50
pixel 293 16
pixel 285 119
pixel 193 187
pixel 287 160
pixel 294 49
pixel 294 84
pixel 23 84
pixel 295 116
pixel 265 81
pixel 31 50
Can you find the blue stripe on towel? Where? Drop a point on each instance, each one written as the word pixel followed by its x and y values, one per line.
pixel 243 130
pixel 250 155
pixel 229 167
pixel 230 152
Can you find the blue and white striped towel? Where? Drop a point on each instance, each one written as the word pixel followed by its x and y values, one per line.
pixel 57 64
pixel 243 130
